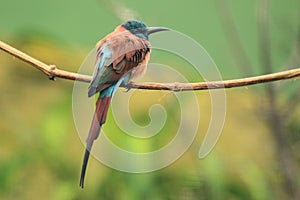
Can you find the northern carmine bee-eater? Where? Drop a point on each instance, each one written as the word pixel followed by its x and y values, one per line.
pixel 121 56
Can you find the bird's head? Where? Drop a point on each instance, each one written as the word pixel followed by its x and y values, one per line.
pixel 140 29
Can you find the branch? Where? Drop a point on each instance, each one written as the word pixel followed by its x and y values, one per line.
pixel 233 37
pixel 52 71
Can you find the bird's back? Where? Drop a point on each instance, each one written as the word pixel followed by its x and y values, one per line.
pixel 118 54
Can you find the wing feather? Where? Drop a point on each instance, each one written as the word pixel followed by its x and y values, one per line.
pixel 118 55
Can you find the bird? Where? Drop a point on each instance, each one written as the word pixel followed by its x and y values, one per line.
pixel 121 56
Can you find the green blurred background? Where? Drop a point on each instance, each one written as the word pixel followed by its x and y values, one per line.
pixel 258 154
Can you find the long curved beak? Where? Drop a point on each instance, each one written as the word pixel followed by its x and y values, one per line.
pixel 151 30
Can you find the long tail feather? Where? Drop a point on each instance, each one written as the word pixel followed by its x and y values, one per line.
pixel 84 165
pixel 99 119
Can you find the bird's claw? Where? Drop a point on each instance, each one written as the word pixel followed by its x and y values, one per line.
pixel 128 86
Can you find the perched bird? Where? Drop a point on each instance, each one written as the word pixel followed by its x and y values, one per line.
pixel 121 56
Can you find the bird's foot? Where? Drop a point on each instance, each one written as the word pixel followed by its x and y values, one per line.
pixel 128 86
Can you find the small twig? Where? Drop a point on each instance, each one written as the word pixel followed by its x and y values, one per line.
pixel 52 71
pixel 275 121
pixel 233 37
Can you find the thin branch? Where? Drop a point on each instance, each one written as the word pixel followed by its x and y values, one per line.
pixel 52 71
pixel 275 120
pixel 264 35
pixel 294 60
pixel 234 38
